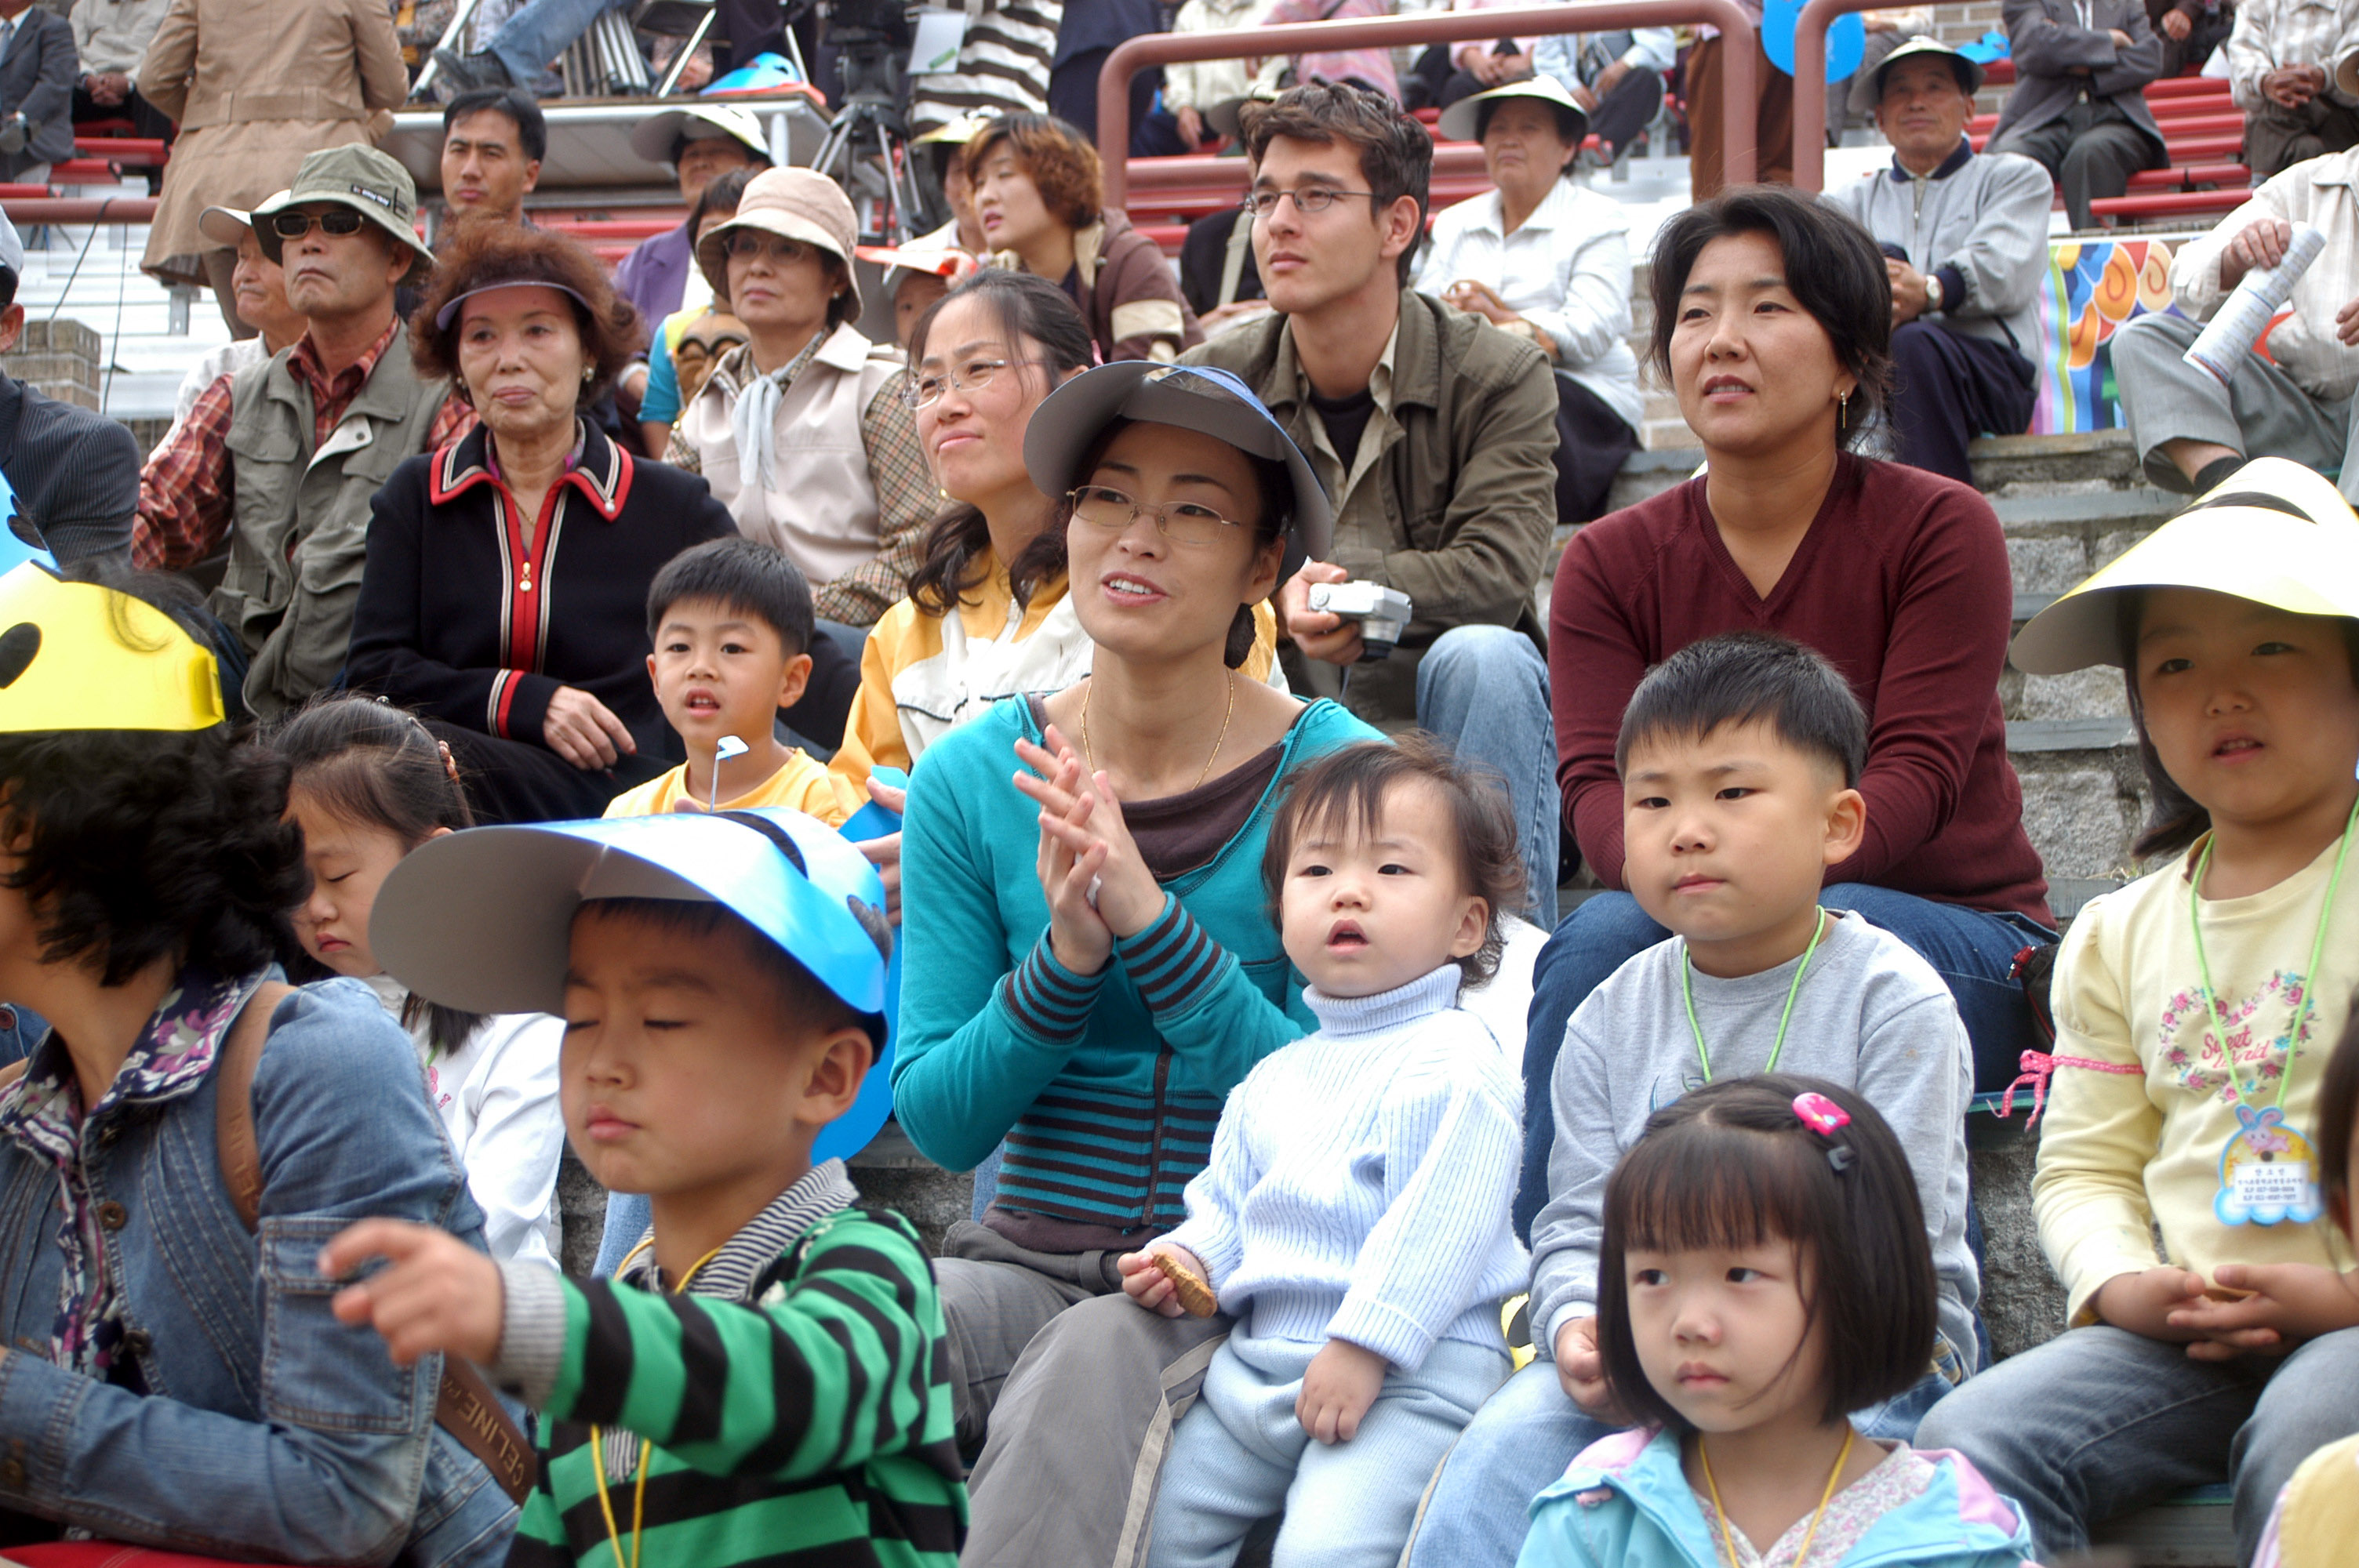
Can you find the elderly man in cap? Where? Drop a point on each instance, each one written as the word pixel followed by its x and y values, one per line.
pixel 2191 429
pixel 279 460
pixel 702 145
pixel 1965 241
pixel 259 287
pixel 74 473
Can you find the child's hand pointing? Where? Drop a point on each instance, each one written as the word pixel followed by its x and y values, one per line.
pixel 435 1292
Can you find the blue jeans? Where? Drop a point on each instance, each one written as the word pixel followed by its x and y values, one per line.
pixel 2099 1420
pixel 1240 1456
pixel 1971 950
pixel 1495 672
pixel 1522 1440
pixel 536 34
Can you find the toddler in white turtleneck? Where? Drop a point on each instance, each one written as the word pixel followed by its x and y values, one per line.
pixel 1355 1215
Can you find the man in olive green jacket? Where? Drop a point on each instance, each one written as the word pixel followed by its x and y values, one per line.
pixel 1433 431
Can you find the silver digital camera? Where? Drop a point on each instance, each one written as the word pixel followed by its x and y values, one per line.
pixel 1383 612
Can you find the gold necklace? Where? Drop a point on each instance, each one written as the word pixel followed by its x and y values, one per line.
pixel 598 1446
pixel 1728 1542
pixel 1089 757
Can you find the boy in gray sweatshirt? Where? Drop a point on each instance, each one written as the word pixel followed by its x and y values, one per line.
pixel 1739 756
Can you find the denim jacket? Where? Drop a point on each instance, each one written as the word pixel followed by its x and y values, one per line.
pixel 1625 1501
pixel 268 1430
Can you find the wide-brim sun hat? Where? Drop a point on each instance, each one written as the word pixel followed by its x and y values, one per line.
pixel 1226 117
pixel 796 204
pixel 657 138
pixel 1921 46
pixel 1192 397
pixel 482 920
pixel 1463 121
pixel 369 182
pixel 228 226
pixel 2273 533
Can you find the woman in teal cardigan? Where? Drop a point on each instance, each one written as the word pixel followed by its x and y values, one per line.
pixel 1091 961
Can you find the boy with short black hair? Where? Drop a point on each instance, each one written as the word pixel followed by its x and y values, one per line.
pixel 732 625
pixel 1740 756
pixel 765 1379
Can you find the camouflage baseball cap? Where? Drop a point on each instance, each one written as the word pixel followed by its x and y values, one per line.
pixel 359 176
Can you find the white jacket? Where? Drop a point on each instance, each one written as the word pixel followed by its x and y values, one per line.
pixel 1566 270
pixel 496 1095
pixel 2320 192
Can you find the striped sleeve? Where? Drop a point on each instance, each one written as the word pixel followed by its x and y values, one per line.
pixel 540 1540
pixel 1211 1012
pixel 1047 1001
pixel 1173 961
pixel 827 1371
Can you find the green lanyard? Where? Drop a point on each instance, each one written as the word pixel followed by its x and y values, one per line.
pixel 2309 979
pixel 1687 991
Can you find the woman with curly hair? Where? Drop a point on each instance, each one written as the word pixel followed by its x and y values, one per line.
pixel 1037 195
pixel 504 600
pixel 190 1130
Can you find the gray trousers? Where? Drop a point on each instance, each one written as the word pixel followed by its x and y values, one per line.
pixel 2264 413
pixel 1073 1391
pixel 2089 152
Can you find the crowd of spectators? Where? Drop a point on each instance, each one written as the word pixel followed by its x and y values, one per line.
pixel 1032 600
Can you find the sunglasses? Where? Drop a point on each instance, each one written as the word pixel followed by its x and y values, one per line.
pixel 295 226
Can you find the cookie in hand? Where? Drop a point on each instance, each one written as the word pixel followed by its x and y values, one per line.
pixel 1194 1296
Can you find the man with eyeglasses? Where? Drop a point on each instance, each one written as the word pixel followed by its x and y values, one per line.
pixel 1433 431
pixel 280 460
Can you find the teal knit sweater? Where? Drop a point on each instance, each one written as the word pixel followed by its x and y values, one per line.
pixel 1105 1087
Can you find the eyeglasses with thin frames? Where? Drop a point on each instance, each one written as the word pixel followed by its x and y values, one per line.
pixel 782 252
pixel 335 220
pixel 924 390
pixel 1310 202
pixel 1184 522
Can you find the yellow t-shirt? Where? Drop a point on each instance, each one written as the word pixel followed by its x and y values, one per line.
pixel 2122 1154
pixel 802 785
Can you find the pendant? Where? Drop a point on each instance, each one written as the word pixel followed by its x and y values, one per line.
pixel 2268 1173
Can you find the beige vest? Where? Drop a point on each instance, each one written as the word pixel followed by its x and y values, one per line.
pixel 820 507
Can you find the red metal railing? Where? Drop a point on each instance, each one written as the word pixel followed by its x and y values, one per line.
pixel 1737 103
pixel 1811 84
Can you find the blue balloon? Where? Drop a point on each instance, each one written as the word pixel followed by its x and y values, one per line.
pixel 1846 39
pixel 14 551
pixel 849 1133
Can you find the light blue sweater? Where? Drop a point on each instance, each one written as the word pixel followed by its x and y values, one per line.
pixel 1360 1178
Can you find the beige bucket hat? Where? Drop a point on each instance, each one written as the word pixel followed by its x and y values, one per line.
pixel 799 204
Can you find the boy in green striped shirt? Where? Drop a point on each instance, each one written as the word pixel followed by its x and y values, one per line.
pixel 766 1381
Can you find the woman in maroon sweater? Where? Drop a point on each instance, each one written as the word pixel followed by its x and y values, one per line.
pixel 1772 321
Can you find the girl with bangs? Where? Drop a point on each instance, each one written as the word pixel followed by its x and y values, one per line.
pixel 1759 1223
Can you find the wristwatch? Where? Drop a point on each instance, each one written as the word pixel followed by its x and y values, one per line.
pixel 1933 294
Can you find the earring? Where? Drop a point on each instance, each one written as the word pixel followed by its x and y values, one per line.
pixel 1842 410
pixel 588 373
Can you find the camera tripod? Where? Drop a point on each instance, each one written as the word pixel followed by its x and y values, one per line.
pixel 867 150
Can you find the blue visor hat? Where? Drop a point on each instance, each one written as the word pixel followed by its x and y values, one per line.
pixel 1193 397
pixel 483 920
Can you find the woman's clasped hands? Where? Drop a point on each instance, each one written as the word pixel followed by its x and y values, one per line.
pixel 1096 883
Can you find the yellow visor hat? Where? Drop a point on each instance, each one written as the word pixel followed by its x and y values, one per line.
pixel 75 655
pixel 2273 533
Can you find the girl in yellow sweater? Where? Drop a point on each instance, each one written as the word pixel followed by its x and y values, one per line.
pixel 2194 1012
